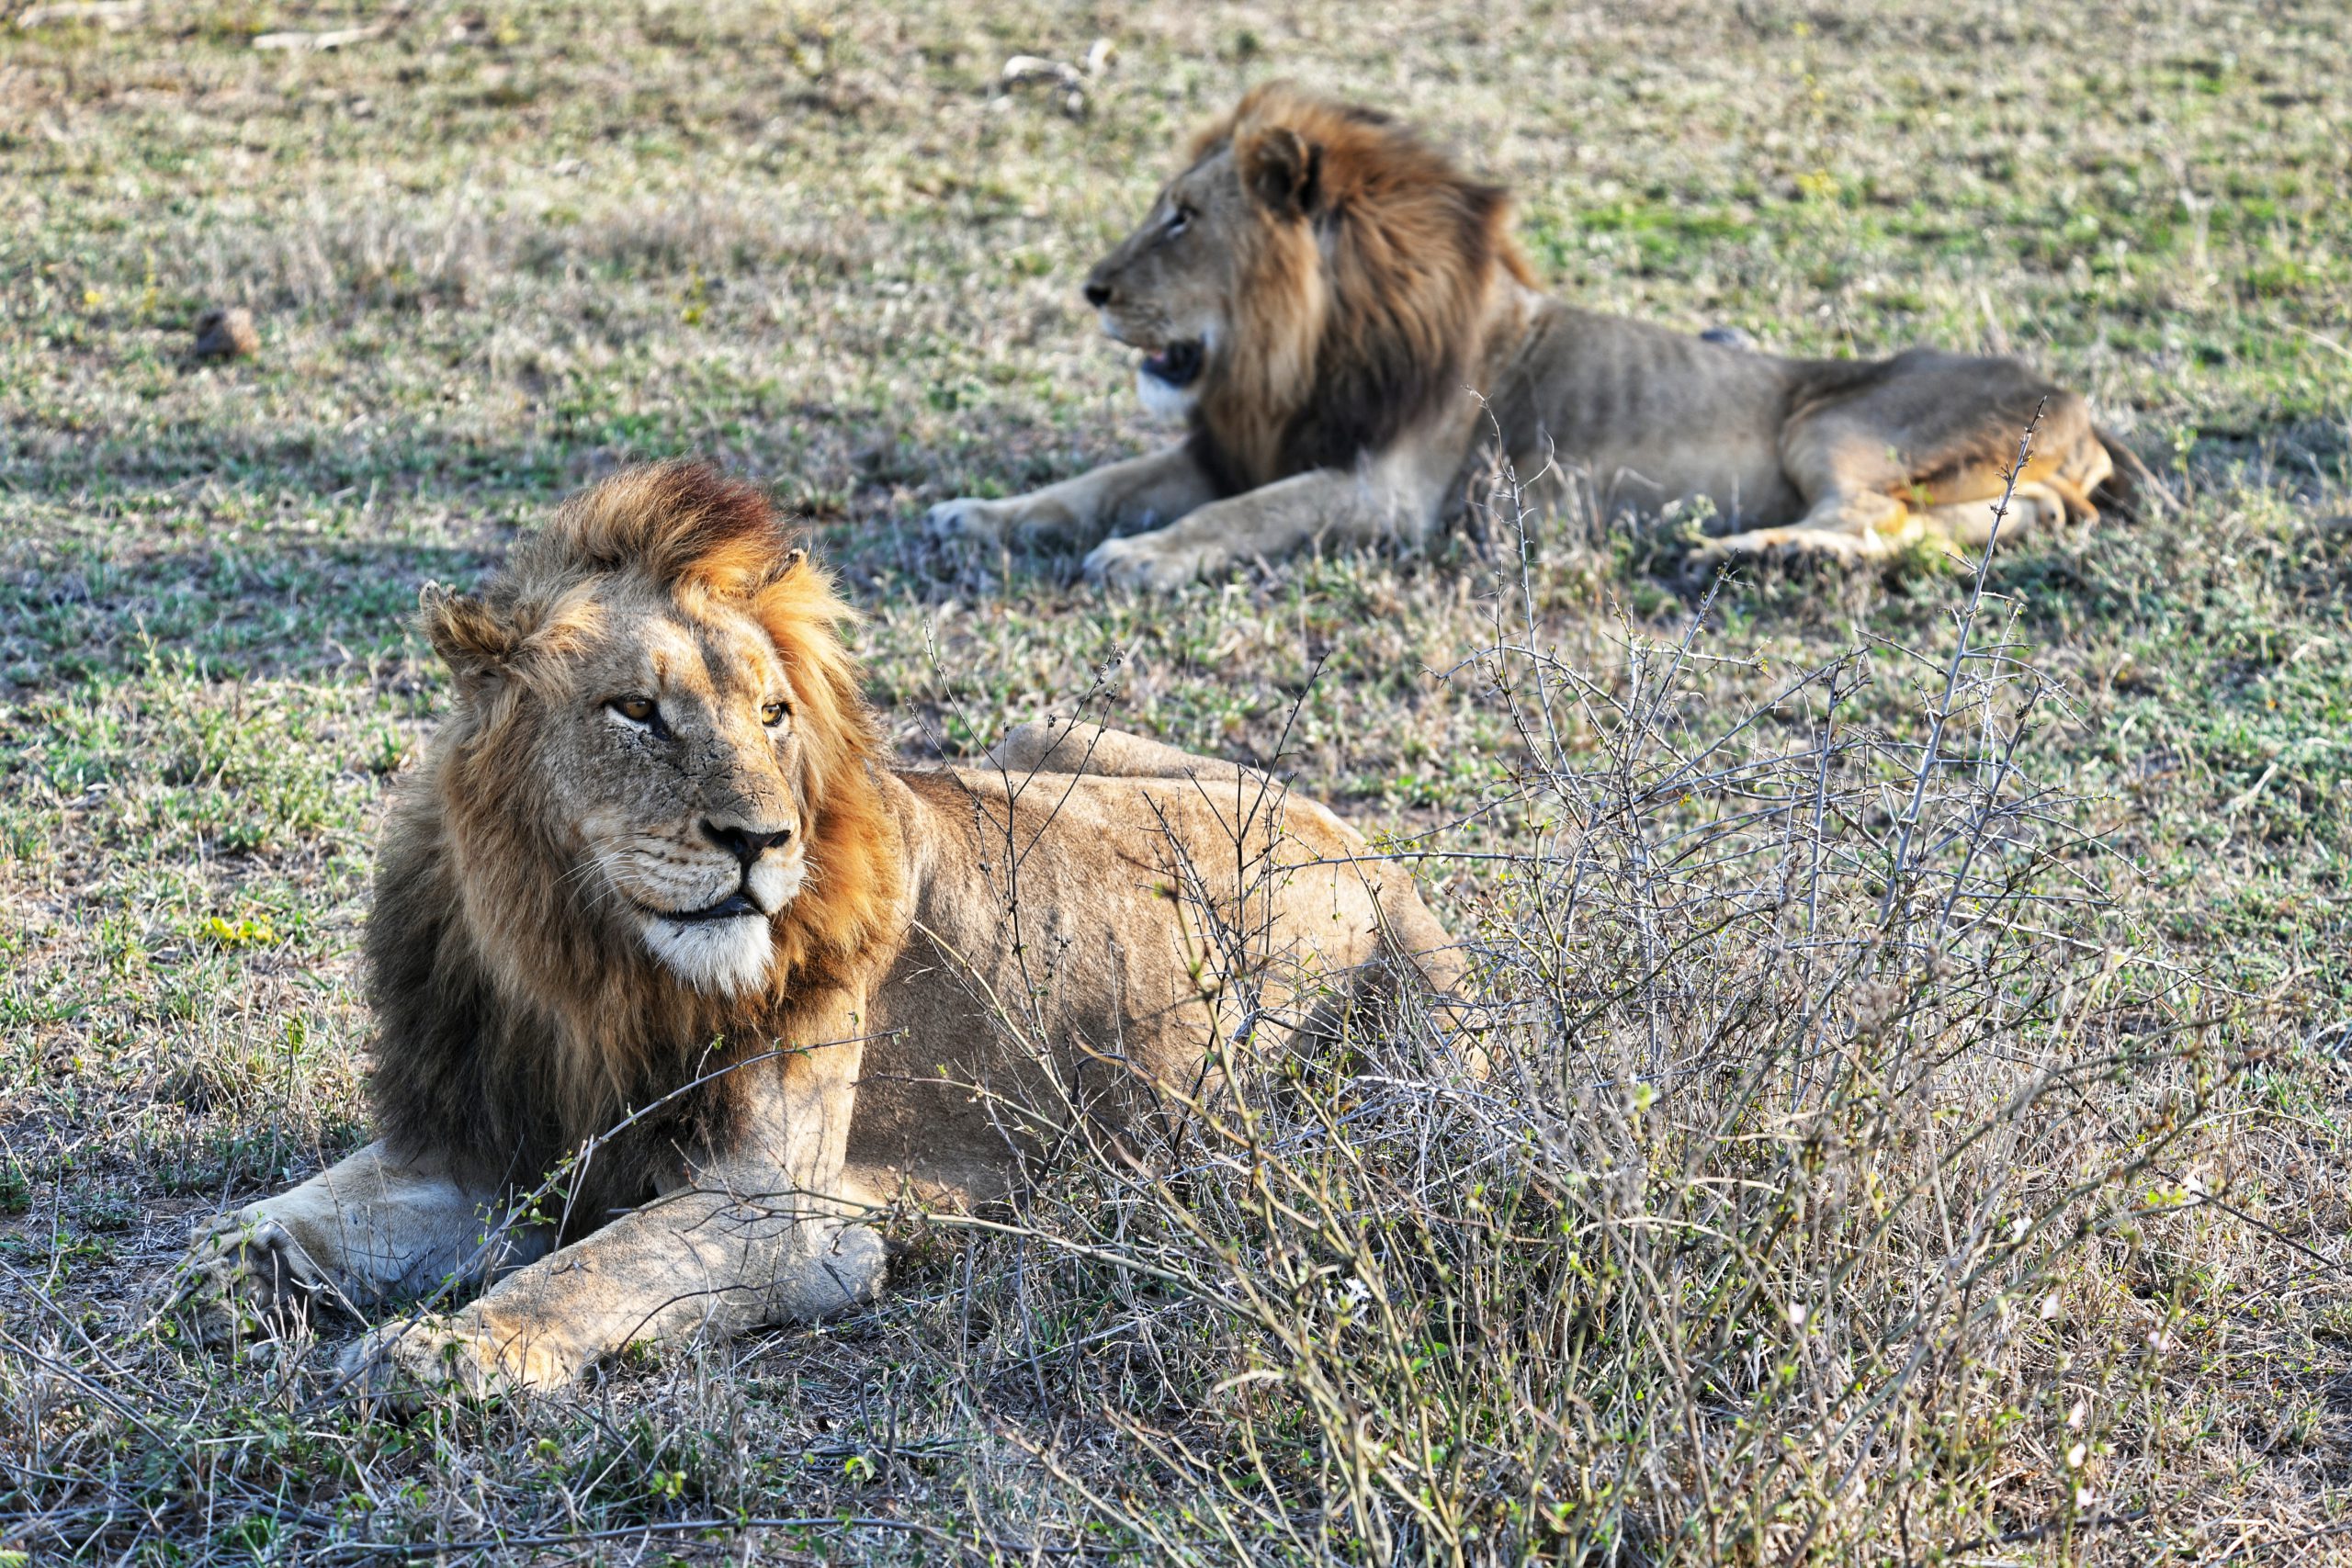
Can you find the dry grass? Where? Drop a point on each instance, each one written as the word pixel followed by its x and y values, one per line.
pixel 1916 1124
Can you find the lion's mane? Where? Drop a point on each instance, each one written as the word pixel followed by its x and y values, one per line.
pixel 1364 273
pixel 511 1027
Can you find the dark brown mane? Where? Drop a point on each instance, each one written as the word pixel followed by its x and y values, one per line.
pixel 511 1027
pixel 1362 286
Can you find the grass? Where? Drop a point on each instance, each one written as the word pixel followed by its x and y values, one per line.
pixel 1725 1266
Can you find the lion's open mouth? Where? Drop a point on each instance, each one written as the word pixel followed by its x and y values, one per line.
pixel 1179 364
pixel 736 903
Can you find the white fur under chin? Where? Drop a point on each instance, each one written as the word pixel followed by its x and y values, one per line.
pixel 1160 399
pixel 728 956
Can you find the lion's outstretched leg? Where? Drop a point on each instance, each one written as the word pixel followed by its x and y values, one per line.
pixel 374 1227
pixel 758 1233
pixel 711 1259
pixel 1141 492
pixel 1394 497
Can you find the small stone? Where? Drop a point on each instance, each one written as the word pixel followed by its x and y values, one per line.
pixel 1727 337
pixel 226 334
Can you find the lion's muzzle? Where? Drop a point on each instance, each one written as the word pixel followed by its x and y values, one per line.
pixel 705 892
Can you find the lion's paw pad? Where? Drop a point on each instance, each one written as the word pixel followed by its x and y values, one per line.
pixel 240 1275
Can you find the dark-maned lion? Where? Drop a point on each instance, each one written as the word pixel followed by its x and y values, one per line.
pixel 654 862
pixel 1320 294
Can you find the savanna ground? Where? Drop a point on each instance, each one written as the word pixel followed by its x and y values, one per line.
pixel 1910 1141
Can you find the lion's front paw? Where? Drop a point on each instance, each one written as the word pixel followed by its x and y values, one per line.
pixel 243 1276
pixel 966 517
pixel 1140 561
pixel 405 1363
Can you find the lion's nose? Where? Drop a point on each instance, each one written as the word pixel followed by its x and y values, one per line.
pixel 742 842
pixel 1097 293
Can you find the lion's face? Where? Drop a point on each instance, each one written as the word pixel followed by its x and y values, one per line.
pixel 1167 288
pixel 672 751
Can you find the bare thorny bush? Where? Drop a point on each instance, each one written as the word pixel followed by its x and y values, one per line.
pixel 1784 1194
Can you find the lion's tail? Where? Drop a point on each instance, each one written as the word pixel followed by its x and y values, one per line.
pixel 2130 483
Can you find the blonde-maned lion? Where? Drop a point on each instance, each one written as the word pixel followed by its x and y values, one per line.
pixel 654 893
pixel 1320 294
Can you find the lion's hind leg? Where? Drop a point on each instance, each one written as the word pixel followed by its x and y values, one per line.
pixel 1843 530
pixel 2055 486
pixel 1839 459
pixel 1968 524
pixel 1913 452
pixel 1859 531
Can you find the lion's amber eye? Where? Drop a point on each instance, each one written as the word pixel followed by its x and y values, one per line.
pixel 637 710
pixel 773 714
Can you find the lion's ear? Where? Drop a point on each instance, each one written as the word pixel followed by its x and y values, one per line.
pixel 1282 170
pixel 471 638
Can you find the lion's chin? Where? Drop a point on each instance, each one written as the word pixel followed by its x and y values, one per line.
pixel 729 956
pixel 1160 399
